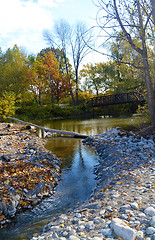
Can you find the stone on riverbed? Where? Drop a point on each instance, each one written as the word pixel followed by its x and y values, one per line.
pixel 150 211
pixel 122 230
pixel 152 221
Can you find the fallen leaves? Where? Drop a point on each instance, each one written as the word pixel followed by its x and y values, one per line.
pixel 29 168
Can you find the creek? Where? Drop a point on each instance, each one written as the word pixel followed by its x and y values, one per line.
pixel 77 179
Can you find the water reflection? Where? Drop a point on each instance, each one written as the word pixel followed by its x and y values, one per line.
pixel 77 180
pixel 76 185
pixel 90 126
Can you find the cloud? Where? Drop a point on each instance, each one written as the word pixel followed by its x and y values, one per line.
pixel 16 14
pixel 47 3
pixel 25 20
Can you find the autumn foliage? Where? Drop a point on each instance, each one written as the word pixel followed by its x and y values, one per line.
pixel 47 78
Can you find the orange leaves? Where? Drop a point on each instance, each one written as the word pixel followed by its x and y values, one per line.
pixel 24 174
pixel 47 77
pixel 2 217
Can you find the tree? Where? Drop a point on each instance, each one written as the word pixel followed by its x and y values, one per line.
pixel 80 41
pixel 14 72
pixel 47 78
pixel 59 41
pixel 134 19
pixel 153 10
pixel 98 77
pixel 7 105
pixel 128 68
pixel 74 40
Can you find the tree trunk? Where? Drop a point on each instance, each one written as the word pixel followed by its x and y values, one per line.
pixel 67 71
pixel 149 86
pixel 72 96
pixel 40 98
pixel 153 14
pixel 77 86
pixel 148 80
pixel 153 9
pixel 143 53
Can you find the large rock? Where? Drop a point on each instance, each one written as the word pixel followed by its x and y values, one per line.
pixel 150 211
pixel 122 230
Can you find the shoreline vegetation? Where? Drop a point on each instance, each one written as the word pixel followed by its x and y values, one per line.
pixel 30 173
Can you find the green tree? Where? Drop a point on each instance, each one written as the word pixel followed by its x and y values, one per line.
pixel 98 77
pixel 7 105
pixel 14 72
pixel 133 18
pixel 127 64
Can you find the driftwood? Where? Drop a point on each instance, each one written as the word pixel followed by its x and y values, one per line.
pixel 75 135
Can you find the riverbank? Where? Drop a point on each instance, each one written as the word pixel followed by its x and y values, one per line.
pixel 28 172
pixel 123 204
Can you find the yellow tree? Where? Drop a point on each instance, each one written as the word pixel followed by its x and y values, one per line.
pixel 14 72
pixel 134 19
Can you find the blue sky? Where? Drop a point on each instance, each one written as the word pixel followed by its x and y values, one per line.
pixel 23 21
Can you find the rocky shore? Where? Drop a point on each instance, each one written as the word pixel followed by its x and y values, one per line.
pixel 122 205
pixel 28 172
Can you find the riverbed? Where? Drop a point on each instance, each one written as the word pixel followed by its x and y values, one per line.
pixel 77 180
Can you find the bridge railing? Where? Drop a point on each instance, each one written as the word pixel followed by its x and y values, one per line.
pixel 117 99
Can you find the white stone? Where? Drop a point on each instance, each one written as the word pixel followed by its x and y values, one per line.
pixel 102 212
pixel 78 215
pixel 150 230
pixel 122 230
pixel 125 207
pixel 115 195
pixel 98 220
pixel 68 228
pixel 140 235
pixel 152 221
pixel 64 234
pixel 97 238
pixel 81 227
pixel 150 211
pixel 25 190
pixel 141 215
pixel 90 225
pixel 106 232
pixel 135 224
pixel 134 205
pixel 55 235
pixel 73 232
pixel 72 237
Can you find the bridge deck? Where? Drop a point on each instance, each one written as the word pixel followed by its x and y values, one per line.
pixel 117 99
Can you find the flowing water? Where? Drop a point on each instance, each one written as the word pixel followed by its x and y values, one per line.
pixel 77 179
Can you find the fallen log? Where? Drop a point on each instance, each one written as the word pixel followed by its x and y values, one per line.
pixel 75 135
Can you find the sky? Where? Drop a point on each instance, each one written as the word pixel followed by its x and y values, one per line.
pixel 22 22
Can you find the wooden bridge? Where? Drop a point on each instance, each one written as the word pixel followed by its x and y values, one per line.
pixel 116 99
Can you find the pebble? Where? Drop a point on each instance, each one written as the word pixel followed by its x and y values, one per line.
pixel 152 221
pixel 150 211
pixel 134 205
pixel 121 229
pixel 22 157
pixel 123 203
